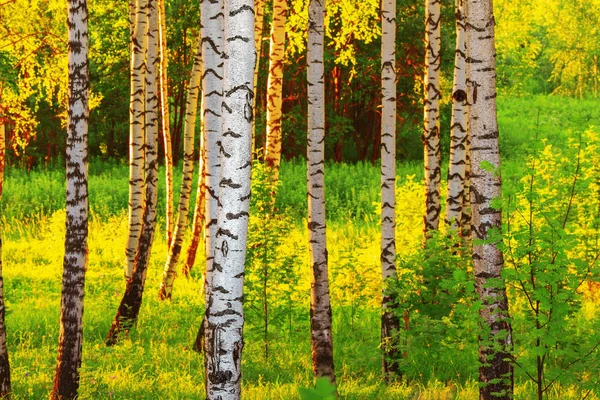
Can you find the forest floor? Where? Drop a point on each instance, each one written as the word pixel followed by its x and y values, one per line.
pixel 155 361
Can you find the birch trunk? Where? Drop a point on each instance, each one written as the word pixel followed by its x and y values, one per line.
pixel 136 133
pixel 275 88
pixel 166 120
pixel 66 379
pixel 4 361
pixel 496 370
pixel 320 307
pixel 389 321
pixel 199 209
pixel 224 319
pixel 431 137
pixel 211 17
pixel 169 273
pixel 458 128
pixel 259 10
pixel 132 299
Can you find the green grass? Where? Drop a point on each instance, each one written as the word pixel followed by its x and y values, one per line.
pixel 156 361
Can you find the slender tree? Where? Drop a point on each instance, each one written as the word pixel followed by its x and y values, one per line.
pixel 496 370
pixel 66 379
pixel 166 119
pixel 431 136
pixel 457 171
pixel 169 273
pixel 275 88
pixel 136 132
pixel 132 299
pixel 320 307
pixel 224 308
pixel 199 210
pixel 259 10
pixel 389 320
pixel 4 362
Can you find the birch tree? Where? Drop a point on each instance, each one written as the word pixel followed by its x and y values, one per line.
pixel 275 88
pixel 137 124
pixel 431 136
pixel 166 119
pixel 224 318
pixel 259 14
pixel 66 379
pixel 169 273
pixel 131 302
pixel 4 361
pixel 389 321
pixel 458 128
pixel 320 307
pixel 496 370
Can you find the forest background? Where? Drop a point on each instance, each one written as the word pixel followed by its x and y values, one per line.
pixel 548 86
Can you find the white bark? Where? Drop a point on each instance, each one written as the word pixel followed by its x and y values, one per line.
pixel 389 321
pixel 169 273
pixel 211 30
pixel 431 137
pixel 458 128
pixel 321 335
pixel 137 124
pixel 66 380
pixel 224 312
pixel 495 372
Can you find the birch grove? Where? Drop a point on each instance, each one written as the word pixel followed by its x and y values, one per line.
pixel 224 318
pixel 66 379
pixel 496 370
pixel 320 306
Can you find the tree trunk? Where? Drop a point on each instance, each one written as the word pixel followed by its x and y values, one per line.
pixel 275 88
pixel 199 209
pixel 259 9
pixel 132 299
pixel 137 124
pixel 320 307
pixel 166 119
pixel 495 345
pixel 458 128
pixel 4 362
pixel 224 308
pixel 169 274
pixel 66 380
pixel 431 136
pixel 211 30
pixel 390 324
